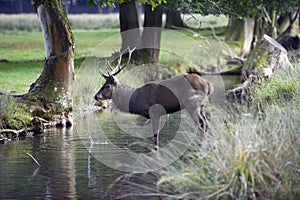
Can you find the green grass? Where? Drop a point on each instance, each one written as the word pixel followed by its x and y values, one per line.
pixel 25 52
pixel 22 46
pixel 29 46
pixel 279 89
pixel 197 21
pixel 17 77
pixel 252 156
pixel 30 23
pixel 247 157
pixel 87 41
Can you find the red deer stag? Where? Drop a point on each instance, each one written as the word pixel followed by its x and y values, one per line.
pixel 154 99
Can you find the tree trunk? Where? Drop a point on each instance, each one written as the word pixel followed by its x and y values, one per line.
pixel 54 87
pixel 151 35
pixel 173 19
pixel 265 59
pixel 130 25
pixel 241 30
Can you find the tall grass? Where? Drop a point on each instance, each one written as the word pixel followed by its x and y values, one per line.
pixel 279 89
pixel 29 22
pixel 253 158
pixel 245 156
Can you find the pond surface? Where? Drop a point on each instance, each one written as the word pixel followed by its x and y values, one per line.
pixel 68 169
pixel 87 161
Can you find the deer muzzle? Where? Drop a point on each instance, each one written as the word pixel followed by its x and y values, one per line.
pixel 98 97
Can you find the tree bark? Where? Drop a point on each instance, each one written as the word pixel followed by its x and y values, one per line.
pixel 54 87
pixel 265 59
pixel 151 35
pixel 147 42
pixel 241 30
pixel 130 25
pixel 173 19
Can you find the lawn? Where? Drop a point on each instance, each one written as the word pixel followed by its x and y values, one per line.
pixel 16 77
pixel 22 49
pixel 22 55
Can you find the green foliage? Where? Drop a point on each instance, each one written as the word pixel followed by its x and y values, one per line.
pixel 104 3
pixel 245 8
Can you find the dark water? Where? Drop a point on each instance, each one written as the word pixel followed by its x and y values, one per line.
pixel 78 163
pixel 68 169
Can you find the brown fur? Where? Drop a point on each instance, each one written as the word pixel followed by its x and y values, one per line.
pixel 199 83
pixel 154 99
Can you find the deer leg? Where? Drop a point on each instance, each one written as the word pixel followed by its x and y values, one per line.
pixel 155 127
pixel 199 117
pixel 203 118
pixel 155 113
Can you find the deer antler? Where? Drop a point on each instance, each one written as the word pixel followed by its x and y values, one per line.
pixel 118 69
pixel 103 75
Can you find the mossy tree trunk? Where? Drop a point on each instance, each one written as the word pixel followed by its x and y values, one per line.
pixel 49 101
pixel 241 30
pixel 265 59
pixel 54 87
pixel 247 31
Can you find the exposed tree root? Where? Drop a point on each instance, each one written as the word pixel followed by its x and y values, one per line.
pixel 24 115
pixel 240 94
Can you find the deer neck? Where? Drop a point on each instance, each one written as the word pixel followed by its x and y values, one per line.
pixel 121 96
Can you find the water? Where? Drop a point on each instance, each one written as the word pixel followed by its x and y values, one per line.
pixel 77 163
pixel 67 171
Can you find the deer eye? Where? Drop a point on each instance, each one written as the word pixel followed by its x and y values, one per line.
pixel 107 86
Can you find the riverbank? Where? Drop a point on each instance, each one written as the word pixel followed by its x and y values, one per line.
pixel 246 154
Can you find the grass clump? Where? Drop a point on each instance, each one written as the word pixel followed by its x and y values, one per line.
pixel 280 88
pixel 251 158
pixel 248 156
pixel 13 116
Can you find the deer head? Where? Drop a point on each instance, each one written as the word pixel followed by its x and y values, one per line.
pixel 111 81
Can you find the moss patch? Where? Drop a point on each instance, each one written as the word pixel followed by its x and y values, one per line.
pixel 13 115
